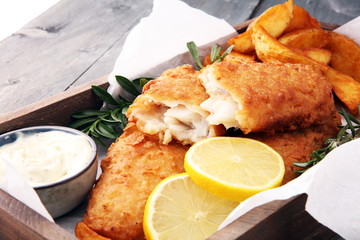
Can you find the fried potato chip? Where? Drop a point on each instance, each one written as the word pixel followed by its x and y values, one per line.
pixel 345 55
pixel 301 20
pixel 306 38
pixel 232 57
pixel 275 20
pixel 318 54
pixel 268 48
pixel 83 232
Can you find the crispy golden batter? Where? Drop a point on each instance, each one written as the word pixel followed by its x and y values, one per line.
pixel 266 97
pixel 284 97
pixel 170 107
pixel 297 146
pixel 174 85
pixel 132 168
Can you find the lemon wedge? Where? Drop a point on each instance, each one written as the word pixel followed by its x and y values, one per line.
pixel 179 209
pixel 234 168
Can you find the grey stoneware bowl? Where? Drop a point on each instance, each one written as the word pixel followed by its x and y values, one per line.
pixel 64 195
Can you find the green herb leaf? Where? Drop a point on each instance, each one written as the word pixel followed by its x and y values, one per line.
pixel 127 85
pixel 215 53
pixel 108 123
pixel 304 164
pixel 82 122
pixel 195 54
pixel 343 136
pixel 116 114
pixel 141 81
pixel 104 95
pixel 227 52
pixel 106 131
pixel 87 113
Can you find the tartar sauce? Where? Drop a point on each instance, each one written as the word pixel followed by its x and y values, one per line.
pixel 47 157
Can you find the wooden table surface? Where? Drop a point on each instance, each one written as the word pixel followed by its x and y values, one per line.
pixel 75 42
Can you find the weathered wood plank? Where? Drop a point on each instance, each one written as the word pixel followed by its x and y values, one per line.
pixel 54 50
pixel 18 221
pixel 77 41
pixel 234 12
pixel 54 110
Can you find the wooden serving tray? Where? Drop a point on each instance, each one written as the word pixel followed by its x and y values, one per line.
pixel 286 219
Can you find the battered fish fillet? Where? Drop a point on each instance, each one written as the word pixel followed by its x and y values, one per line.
pixel 170 107
pixel 132 168
pixel 266 97
pixel 298 145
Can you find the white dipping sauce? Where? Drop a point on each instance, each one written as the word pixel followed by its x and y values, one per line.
pixel 47 157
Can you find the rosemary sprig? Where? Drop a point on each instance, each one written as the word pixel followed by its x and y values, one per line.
pixel 110 122
pixel 348 132
pixel 214 54
pixel 195 54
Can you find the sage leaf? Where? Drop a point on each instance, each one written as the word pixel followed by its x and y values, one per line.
pixel 104 95
pixel 127 85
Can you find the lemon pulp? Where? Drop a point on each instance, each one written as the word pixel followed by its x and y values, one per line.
pixel 180 209
pixel 234 168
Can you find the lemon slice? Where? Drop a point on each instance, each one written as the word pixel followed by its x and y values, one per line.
pixel 234 168
pixel 180 209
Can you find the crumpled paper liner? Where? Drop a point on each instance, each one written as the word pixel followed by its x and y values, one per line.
pixel 14 184
pixel 158 42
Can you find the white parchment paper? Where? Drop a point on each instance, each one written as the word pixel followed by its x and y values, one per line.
pixel 158 42
pixel 14 184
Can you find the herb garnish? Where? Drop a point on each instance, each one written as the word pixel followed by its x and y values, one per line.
pixel 348 132
pixel 214 55
pixel 110 122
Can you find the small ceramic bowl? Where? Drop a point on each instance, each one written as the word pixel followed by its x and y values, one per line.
pixel 63 195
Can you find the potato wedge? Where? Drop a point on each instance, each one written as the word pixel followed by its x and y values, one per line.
pixel 275 20
pixel 301 20
pixel 345 55
pixel 232 57
pixel 306 38
pixel 268 48
pixel 83 232
pixel 235 57
pixel 318 54
pixel 242 43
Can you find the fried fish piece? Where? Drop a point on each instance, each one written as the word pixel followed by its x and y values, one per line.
pixel 170 107
pixel 298 145
pixel 266 97
pixel 132 168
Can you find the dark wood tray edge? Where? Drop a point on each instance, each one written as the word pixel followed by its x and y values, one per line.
pixel 55 110
pixel 18 221
pixel 279 219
